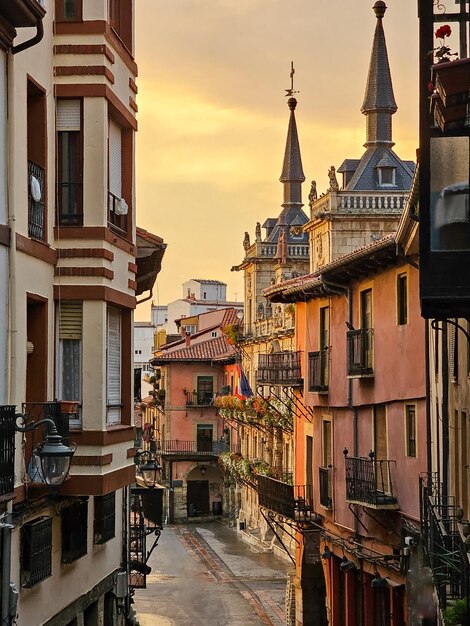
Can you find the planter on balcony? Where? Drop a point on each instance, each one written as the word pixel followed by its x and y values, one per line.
pixel 449 102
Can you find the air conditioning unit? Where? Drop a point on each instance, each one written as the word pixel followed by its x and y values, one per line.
pixel 120 585
pixel 121 208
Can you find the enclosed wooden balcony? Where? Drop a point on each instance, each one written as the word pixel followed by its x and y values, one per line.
pixel 369 482
pixel 361 352
pixel 291 501
pixel 279 368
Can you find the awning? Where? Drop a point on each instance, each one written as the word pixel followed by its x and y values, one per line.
pixel 150 251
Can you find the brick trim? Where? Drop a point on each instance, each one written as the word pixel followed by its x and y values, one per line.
pixel 85 49
pixel 98 485
pixel 132 85
pixel 131 452
pixel 95 232
pixel 133 104
pixel 85 253
pixel 117 434
pixel 132 267
pixel 84 271
pixel 90 460
pixel 36 249
pixel 132 284
pixel 84 70
pixel 4 235
pixel 94 292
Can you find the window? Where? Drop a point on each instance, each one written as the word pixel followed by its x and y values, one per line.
pixel 324 344
pixel 205 389
pixel 69 358
pixel 68 10
pixel 366 326
pixel 7 450
pixel 402 299
pixel 69 163
pixel 117 206
pixel 120 18
pixel 104 527
pixel 387 176
pixel 214 334
pixel 453 348
pixel 37 159
pixel 36 551
pixel 113 366
pixel 74 520
pixel 204 437
pixel 410 429
pixel 326 440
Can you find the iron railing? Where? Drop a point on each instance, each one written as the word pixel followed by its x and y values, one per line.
pixel 443 543
pixel 279 368
pixel 199 398
pixel 7 450
pixel 145 518
pixel 36 551
pixel 369 482
pixel 360 352
pixel 36 201
pixel 318 370
pixel 176 446
pixel 36 411
pixel 291 501
pixel 326 498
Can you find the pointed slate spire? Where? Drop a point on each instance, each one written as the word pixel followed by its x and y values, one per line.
pixel 292 175
pixel 379 102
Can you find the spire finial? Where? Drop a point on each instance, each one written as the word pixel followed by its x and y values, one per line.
pixel 290 92
pixel 379 7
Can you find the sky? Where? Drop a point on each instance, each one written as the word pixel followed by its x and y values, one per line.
pixel 213 116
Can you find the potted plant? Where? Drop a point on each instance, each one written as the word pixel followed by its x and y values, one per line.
pixel 457 614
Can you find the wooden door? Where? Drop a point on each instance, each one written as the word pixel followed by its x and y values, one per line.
pixel 198 498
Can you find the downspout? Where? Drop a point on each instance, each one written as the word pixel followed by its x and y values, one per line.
pixel 445 412
pixel 145 299
pixel 31 42
pixel 428 400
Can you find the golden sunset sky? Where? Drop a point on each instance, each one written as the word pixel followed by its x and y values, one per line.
pixel 213 116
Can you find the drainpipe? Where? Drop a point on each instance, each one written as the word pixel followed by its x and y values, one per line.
pixel 6 566
pixel 428 401
pixel 445 413
pixel 31 42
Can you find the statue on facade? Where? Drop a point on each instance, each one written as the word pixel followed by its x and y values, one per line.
pixel 260 311
pixel 312 196
pixel 246 241
pixel 333 180
pixel 258 232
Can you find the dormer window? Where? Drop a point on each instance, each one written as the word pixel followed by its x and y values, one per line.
pixel 387 176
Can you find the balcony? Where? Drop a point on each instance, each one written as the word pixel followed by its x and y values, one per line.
pixel 360 352
pixel 199 398
pixel 369 482
pixel 291 501
pixel 443 543
pixel 326 498
pixel 187 450
pixel 318 371
pixel 36 202
pixel 7 450
pixel 279 368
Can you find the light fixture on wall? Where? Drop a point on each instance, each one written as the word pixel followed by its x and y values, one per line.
pixel 54 456
pixel 149 468
pixel 202 469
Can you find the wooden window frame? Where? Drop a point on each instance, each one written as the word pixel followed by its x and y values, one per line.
pixel 410 441
pixel 402 299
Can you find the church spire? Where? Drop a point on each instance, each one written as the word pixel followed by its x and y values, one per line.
pixel 292 175
pixel 379 102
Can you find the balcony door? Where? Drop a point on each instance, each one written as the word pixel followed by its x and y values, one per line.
pixel 366 325
pixel 204 437
pixel 380 448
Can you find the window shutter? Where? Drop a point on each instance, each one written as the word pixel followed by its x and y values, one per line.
pixel 114 365
pixel 70 320
pixel 68 115
pixel 115 158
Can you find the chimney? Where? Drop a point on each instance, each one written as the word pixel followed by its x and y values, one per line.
pixel 183 330
pixel 187 338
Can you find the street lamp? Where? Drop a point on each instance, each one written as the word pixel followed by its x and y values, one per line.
pixel 149 468
pixel 54 456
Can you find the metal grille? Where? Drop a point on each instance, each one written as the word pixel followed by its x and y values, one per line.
pixel 279 368
pixel 74 531
pixel 369 482
pixel 318 370
pixel 291 501
pixel 36 208
pixel 105 518
pixel 360 352
pixel 7 449
pixel 199 398
pixel 36 551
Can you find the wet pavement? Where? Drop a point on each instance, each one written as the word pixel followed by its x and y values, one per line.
pixel 205 575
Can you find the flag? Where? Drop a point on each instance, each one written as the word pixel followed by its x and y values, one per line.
pixel 244 386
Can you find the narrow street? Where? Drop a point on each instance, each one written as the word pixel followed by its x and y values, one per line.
pixel 204 575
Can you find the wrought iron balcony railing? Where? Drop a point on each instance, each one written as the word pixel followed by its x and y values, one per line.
pixel 178 447
pixel 318 370
pixel 291 501
pixel 443 544
pixel 360 352
pixel 199 398
pixel 369 482
pixel 279 368
pixel 36 201
pixel 7 450
pixel 326 498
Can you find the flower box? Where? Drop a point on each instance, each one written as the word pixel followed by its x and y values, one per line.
pixel 449 102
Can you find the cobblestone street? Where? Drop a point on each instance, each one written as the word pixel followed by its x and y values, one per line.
pixel 205 575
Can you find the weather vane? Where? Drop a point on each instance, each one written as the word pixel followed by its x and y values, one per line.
pixel 291 91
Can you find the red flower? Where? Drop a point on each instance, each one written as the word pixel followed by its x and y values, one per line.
pixel 443 31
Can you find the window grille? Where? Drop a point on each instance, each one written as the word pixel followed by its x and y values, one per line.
pixel 105 518
pixel 7 449
pixel 36 551
pixel 74 531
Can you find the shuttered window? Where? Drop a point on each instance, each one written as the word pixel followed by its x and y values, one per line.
pixel 115 159
pixel 69 362
pixel 68 115
pixel 113 341
pixel 69 163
